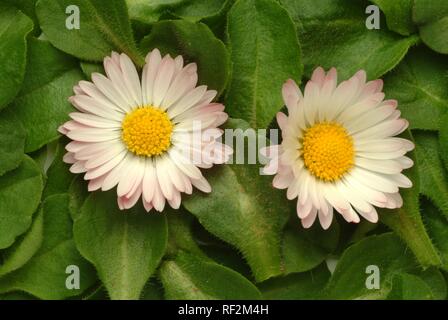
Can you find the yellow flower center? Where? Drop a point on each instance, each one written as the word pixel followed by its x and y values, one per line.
pixel 147 131
pixel 327 151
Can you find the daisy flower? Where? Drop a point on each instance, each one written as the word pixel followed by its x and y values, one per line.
pixel 138 135
pixel 339 150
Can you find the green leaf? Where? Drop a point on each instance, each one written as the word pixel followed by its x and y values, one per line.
pixel 436 282
pixel 245 211
pixel 104 27
pixel 44 157
pixel 97 293
pixel 16 296
pixel 211 12
pixel 14 28
pixel 328 240
pixel 125 247
pixel 305 249
pixel 333 34
pixel 189 277
pixel 28 8
pixel 297 286
pixel 398 15
pixel 437 228
pixel 407 220
pixel 20 192
pixel 443 139
pixel 433 178
pixel 419 84
pixel 42 105
pixel 45 276
pixel 88 68
pixel 265 52
pixel 153 291
pixel 181 234
pixel 409 287
pixel 78 193
pixel 196 43
pixel 432 18
pixel 199 9
pixel 22 250
pixel 220 251
pixel 45 64
pixel 12 141
pixel 59 177
pixel 385 251
pixel 150 11
pixel 363 228
pixel 426 285
pixel 227 256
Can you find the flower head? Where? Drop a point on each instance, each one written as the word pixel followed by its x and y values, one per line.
pixel 339 150
pixel 139 135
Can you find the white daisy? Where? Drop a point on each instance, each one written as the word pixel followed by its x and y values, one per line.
pixel 338 149
pixel 138 135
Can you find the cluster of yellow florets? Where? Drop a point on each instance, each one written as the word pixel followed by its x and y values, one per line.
pixel 147 131
pixel 327 150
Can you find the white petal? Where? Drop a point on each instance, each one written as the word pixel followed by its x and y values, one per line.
pixel 92 91
pixel 94 135
pixel 374 180
pixel 94 121
pixel 109 89
pixel 78 167
pixel 309 220
pixel 405 162
pixel 282 120
pixel 149 180
pixel 353 196
pixel 153 60
pixel 371 195
pixel 69 157
pixel 325 219
pixel 371 216
pixel 400 179
pixel 96 107
pixel 370 118
pixel 127 203
pixel 163 80
pixel 115 74
pixel 175 175
pixel 114 175
pixel 133 171
pixel 291 94
pixel 187 101
pixel 175 202
pixel 383 130
pixel 303 210
pixel 318 76
pixel 162 176
pixel 184 82
pixel 335 198
pixel 281 181
pixel 96 183
pixel 381 166
pixel 92 150
pixel 184 164
pixel 131 79
pixel 202 184
pixel 105 168
pixel 112 152
pixel 158 199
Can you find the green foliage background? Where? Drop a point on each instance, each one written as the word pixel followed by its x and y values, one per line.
pixel 243 241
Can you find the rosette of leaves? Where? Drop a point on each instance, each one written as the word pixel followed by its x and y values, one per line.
pixel 243 241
